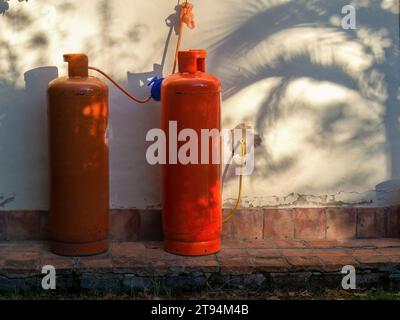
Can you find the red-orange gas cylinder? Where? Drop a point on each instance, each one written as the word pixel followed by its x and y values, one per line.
pixel 79 196
pixel 192 191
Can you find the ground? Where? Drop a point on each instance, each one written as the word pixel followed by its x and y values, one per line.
pixel 257 268
pixel 219 295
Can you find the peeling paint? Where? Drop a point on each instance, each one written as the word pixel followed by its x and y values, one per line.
pixel 298 200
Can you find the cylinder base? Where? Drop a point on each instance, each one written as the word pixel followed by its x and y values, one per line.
pixel 192 248
pixel 78 249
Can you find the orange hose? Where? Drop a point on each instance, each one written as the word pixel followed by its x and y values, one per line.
pixel 178 44
pixel 186 17
pixel 119 87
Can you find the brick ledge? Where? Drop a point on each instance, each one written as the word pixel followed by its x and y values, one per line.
pixel 265 265
pixel 247 224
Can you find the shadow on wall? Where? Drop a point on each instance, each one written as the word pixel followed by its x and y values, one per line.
pixel 23 139
pixel 23 136
pixel 131 175
pixel 319 95
pixel 342 85
pixel 133 181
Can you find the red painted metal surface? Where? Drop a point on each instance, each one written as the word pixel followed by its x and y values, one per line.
pixel 79 196
pixel 192 192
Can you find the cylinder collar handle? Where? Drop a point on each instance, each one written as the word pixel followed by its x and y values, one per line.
pixel 192 61
pixel 78 64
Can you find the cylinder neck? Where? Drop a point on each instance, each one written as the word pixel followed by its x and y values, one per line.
pixel 77 65
pixel 192 61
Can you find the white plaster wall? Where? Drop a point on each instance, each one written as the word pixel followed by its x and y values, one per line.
pixel 325 101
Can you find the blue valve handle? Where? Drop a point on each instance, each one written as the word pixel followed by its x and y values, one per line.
pixel 155 84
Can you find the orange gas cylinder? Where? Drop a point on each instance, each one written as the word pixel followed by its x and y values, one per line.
pixel 191 191
pixel 79 197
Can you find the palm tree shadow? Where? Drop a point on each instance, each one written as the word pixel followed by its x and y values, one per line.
pixel 269 40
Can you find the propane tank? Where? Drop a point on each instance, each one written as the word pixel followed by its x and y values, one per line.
pixel 79 196
pixel 192 212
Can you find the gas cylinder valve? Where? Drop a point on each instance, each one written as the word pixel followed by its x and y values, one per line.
pixel 155 84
